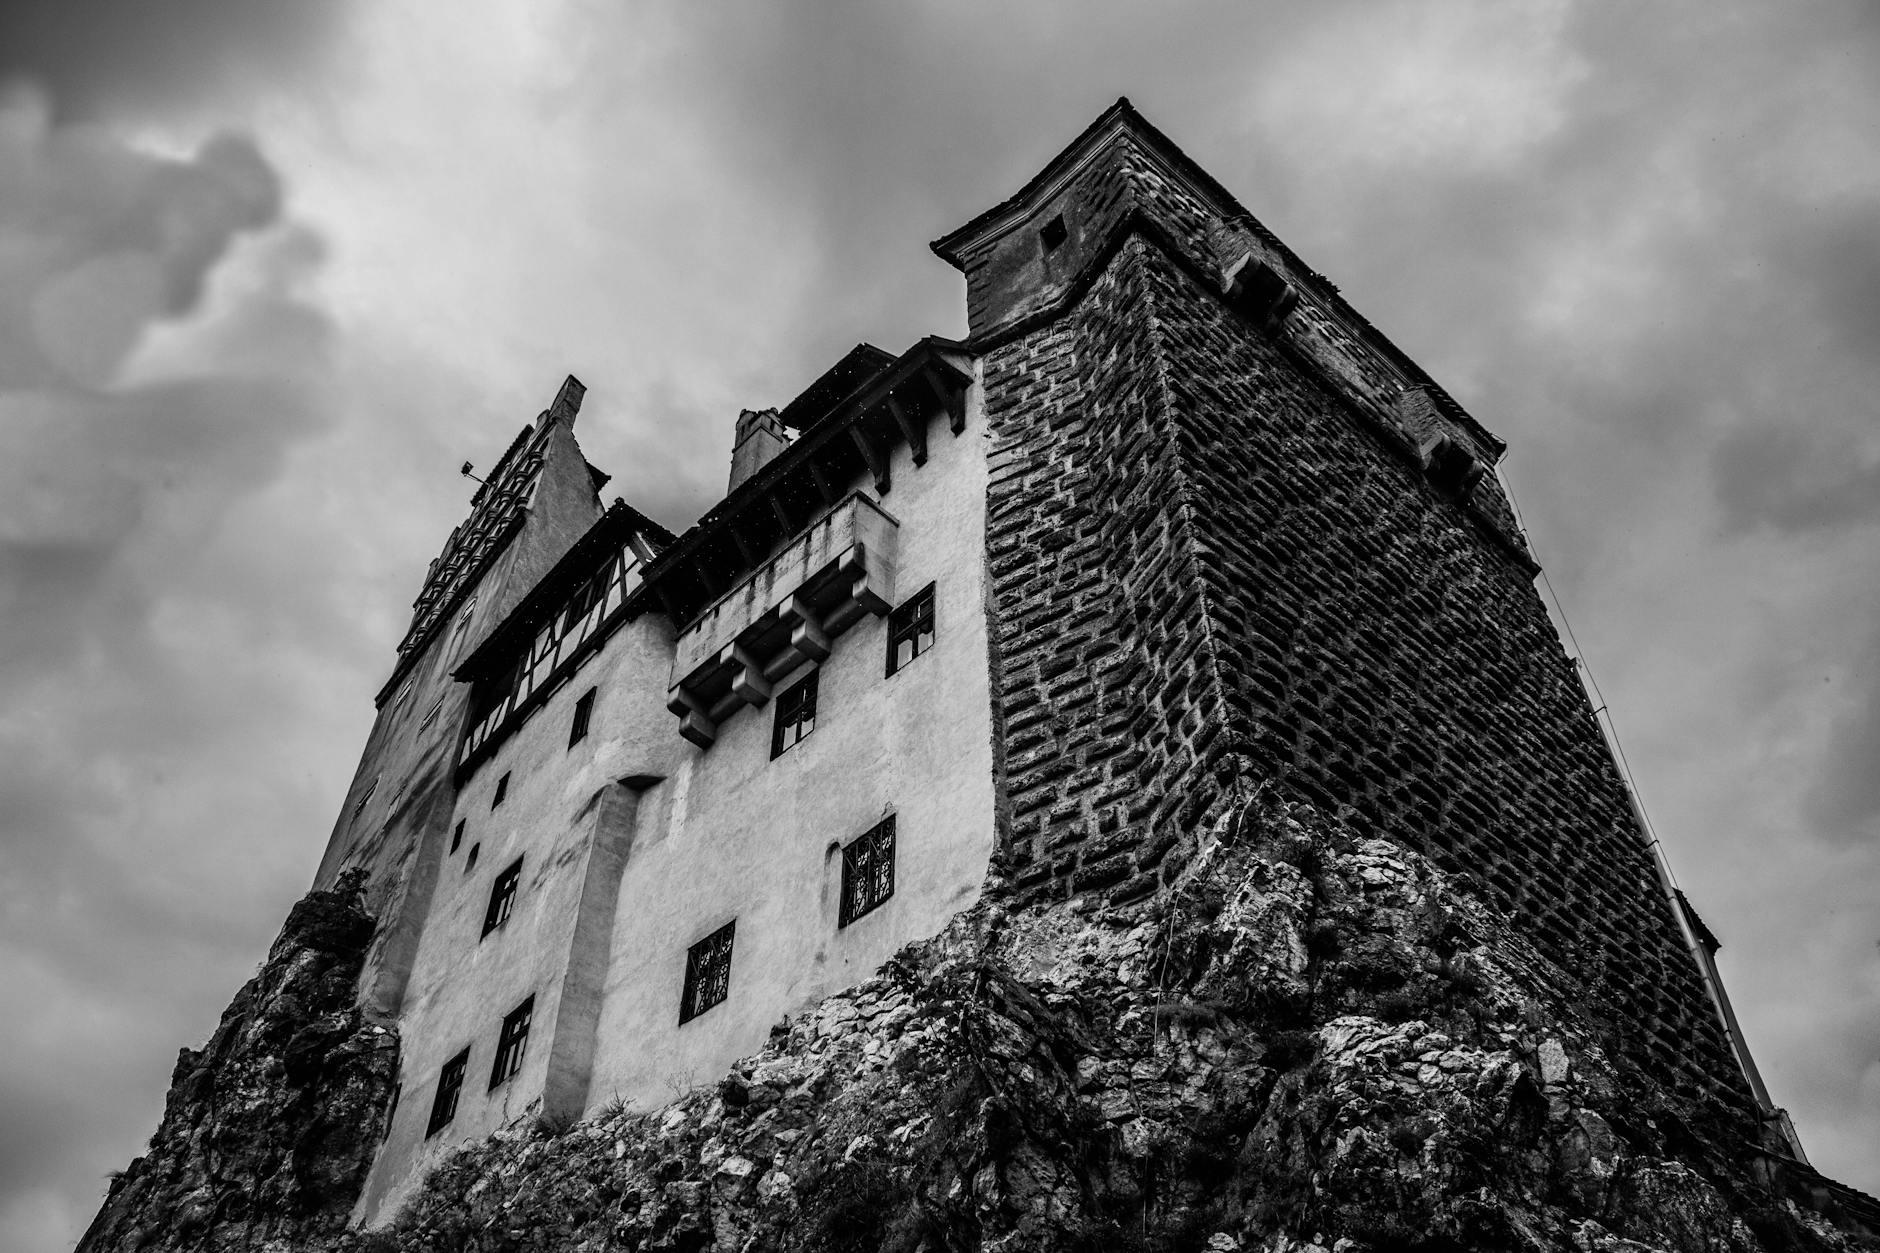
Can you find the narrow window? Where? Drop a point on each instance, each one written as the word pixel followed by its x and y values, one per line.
pixel 404 692
pixel 359 806
pixel 502 790
pixel 1053 233
pixel 449 1084
pixel 391 1110
pixel 502 897
pixel 463 621
pixel 796 714
pixel 867 871
pixel 910 628
pixel 707 973
pixel 470 862
pixel 456 836
pixel 431 714
pixel 583 712
pixel 511 1043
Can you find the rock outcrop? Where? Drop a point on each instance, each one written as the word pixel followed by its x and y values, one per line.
pixel 1311 1041
pixel 269 1129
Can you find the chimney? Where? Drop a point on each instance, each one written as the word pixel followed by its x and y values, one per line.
pixel 760 438
pixel 567 404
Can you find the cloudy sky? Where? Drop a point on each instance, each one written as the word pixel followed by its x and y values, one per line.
pixel 270 270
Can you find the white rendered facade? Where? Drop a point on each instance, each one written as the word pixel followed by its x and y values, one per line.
pixel 631 842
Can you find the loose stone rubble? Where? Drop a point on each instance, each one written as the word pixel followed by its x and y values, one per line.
pixel 1311 1043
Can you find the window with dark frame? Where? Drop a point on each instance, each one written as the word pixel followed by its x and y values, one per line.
pixel 456 836
pixel 796 714
pixel 707 973
pixel 510 1044
pixel 502 897
pixel 867 871
pixel 502 790
pixel 449 1084
pixel 910 628
pixel 1053 233
pixel 583 712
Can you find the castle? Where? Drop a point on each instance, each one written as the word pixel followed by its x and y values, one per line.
pixel 1171 524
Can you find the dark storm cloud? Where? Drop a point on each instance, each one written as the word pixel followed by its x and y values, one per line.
pixel 93 55
pixel 117 468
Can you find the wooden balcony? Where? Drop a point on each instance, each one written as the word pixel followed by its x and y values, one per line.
pixel 785 612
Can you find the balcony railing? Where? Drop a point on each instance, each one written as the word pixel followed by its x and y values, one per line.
pixel 782 614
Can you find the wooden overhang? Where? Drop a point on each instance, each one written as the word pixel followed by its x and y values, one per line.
pixel 619 526
pixel 856 429
pixel 853 435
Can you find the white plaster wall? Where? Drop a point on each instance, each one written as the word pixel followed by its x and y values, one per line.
pixel 728 833
pixel 734 834
pixel 462 986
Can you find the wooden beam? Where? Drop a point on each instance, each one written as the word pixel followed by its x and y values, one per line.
pixel 953 397
pixel 714 587
pixel 776 509
pixel 913 429
pixel 823 487
pixel 872 453
pixel 744 545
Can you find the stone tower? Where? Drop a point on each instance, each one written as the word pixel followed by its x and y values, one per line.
pixel 1236 536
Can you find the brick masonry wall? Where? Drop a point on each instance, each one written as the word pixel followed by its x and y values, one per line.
pixel 1207 572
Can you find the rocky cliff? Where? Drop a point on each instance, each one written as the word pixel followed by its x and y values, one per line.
pixel 1309 1041
pixel 270 1127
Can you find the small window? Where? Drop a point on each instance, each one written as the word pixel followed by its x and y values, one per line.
pixel 463 619
pixel 583 712
pixel 707 973
pixel 502 790
pixel 1053 233
pixel 365 797
pixel 511 1043
pixel 502 897
pixel 431 714
pixel 391 1110
pixel 456 836
pixel 867 871
pixel 449 1084
pixel 910 629
pixel 470 862
pixel 404 693
pixel 796 714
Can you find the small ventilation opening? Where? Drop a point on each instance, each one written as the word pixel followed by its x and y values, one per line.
pixel 1053 233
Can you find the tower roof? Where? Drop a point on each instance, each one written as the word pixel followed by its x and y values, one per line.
pixel 966 246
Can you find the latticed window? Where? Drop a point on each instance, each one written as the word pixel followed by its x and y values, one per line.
pixel 556 643
pixel 910 628
pixel 867 871
pixel 511 1043
pixel 449 1084
pixel 796 714
pixel 707 973
pixel 502 897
